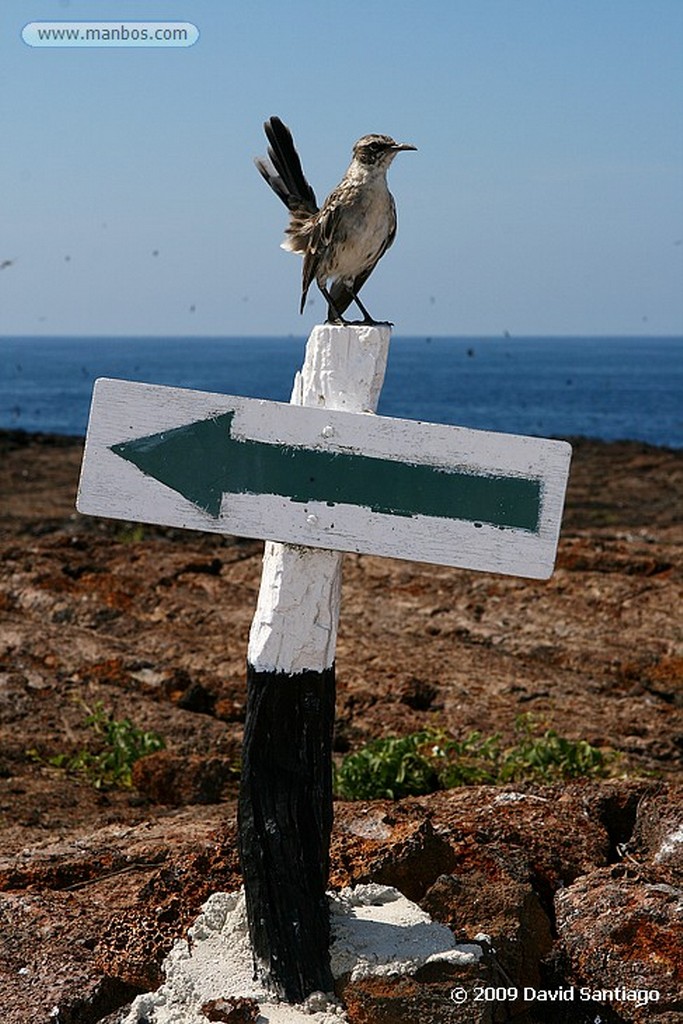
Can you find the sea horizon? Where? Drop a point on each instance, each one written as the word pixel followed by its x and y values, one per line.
pixel 610 387
pixel 500 335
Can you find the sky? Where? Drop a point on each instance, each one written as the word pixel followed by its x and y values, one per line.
pixel 545 196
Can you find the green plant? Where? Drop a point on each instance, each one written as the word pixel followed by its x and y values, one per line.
pixel 549 757
pixel 393 768
pixel 119 745
pixel 130 533
pixel 429 760
pixel 469 762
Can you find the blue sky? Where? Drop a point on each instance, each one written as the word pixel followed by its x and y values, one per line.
pixel 546 196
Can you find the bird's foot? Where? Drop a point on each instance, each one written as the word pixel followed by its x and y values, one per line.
pixel 339 321
pixel 371 322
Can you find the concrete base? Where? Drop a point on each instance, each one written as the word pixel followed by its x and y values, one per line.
pixel 375 931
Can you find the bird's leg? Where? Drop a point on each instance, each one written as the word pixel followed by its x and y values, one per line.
pixel 338 318
pixel 367 319
pixel 366 316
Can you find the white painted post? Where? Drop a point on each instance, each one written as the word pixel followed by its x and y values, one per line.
pixel 295 626
pixel 286 789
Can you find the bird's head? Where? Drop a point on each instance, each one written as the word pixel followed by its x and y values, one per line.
pixel 378 150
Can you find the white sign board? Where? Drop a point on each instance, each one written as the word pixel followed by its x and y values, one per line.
pixel 336 480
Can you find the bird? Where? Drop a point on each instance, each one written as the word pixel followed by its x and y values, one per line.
pixel 343 240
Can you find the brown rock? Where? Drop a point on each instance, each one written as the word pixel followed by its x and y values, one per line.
pixel 658 833
pixel 614 803
pixel 232 1011
pixel 392 844
pixel 179 780
pixel 505 853
pixel 82 860
pixel 230 710
pixel 488 900
pixel 549 838
pixel 418 694
pixel 47 961
pixel 198 699
pixel 135 940
pixel 622 934
pixel 448 998
pixel 547 830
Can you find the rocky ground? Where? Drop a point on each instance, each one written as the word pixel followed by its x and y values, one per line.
pixel 577 885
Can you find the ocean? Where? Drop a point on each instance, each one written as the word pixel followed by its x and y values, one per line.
pixel 624 388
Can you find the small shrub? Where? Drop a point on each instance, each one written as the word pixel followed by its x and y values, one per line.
pixel 120 744
pixel 469 762
pixel 388 768
pixel 130 533
pixel 429 760
pixel 549 757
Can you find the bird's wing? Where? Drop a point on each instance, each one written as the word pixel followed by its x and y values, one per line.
pixel 390 237
pixel 328 223
pixel 326 226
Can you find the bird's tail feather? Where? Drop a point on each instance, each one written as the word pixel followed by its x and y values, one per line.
pixel 286 176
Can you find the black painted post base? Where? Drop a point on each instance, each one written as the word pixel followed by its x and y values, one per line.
pixel 285 822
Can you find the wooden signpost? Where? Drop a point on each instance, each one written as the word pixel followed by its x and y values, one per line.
pixel 314 482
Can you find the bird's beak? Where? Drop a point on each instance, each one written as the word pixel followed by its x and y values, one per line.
pixel 402 145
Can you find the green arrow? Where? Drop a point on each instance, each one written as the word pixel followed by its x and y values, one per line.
pixel 202 461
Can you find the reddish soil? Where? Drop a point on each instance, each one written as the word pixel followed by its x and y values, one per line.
pixel 153 623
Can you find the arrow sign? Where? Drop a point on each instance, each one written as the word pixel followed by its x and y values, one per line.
pixel 325 479
pixel 203 461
